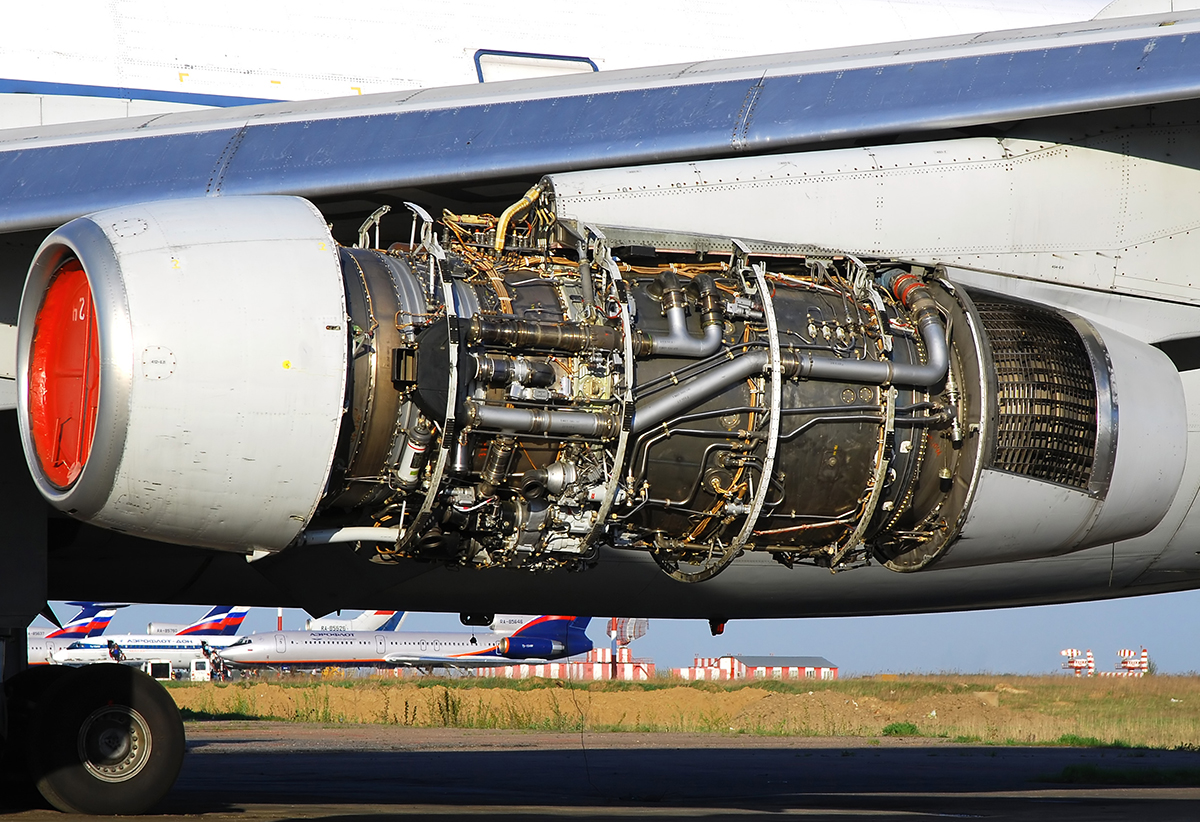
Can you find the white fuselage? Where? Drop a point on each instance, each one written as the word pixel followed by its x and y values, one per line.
pixel 41 649
pixel 508 624
pixel 362 648
pixel 180 650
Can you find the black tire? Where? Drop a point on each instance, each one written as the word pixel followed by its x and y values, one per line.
pixel 22 694
pixel 106 740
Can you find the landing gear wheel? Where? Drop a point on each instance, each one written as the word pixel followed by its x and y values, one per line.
pixel 107 740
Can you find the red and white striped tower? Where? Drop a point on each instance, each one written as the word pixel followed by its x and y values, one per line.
pixel 1077 662
pixel 623 631
pixel 1130 663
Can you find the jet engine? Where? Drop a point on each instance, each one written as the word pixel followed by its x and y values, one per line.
pixel 521 391
pixel 519 647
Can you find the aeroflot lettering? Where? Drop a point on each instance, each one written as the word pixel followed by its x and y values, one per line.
pixel 332 634
pixel 133 646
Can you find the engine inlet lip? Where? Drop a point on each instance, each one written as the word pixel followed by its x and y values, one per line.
pixel 86 241
pixel 1107 410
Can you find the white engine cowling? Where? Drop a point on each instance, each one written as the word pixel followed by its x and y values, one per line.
pixel 183 369
pixel 1141 416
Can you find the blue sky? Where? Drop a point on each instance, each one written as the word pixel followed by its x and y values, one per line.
pixel 1015 640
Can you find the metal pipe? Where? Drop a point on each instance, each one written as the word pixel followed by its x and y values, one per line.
pixel 585 280
pixel 461 465
pixel 883 372
pixel 914 295
pixel 553 479
pixel 505 218
pixel 541 421
pixel 329 536
pixel 679 342
pixel 801 364
pixel 544 336
pixel 498 369
pixel 793 364
pixel 495 467
pixel 697 390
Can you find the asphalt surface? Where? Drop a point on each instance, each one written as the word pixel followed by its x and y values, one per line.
pixel 254 771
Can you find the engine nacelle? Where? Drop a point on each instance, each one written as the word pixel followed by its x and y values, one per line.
pixel 520 647
pixel 518 395
pixel 183 367
pixel 1027 503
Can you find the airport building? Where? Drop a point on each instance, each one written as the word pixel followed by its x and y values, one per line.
pixel 727 668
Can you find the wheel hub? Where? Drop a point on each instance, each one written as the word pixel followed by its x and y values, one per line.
pixel 114 743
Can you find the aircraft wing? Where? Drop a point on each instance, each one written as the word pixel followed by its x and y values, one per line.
pixel 446 140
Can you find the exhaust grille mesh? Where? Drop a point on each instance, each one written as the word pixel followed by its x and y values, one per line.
pixel 1046 394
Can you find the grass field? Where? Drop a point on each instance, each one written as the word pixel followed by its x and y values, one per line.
pixel 1156 711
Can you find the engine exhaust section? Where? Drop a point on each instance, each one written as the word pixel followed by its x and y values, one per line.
pixel 524 391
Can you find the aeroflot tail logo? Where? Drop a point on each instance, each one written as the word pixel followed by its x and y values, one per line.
pixel 98 625
pixel 232 622
pixel 82 628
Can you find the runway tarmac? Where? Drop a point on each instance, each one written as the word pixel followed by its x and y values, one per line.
pixel 254 771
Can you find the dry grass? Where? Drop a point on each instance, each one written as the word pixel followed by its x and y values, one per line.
pixel 1160 711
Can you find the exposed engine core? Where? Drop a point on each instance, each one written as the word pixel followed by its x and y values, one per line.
pixel 522 391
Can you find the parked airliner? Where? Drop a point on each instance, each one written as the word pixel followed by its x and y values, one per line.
pixel 366 621
pixel 91 621
pixel 216 629
pixel 541 639
pixel 508 624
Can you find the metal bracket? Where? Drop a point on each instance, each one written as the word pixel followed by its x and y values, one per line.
pixel 774 400
pixel 448 430
pixel 374 221
pixel 429 242
pixel 610 488
pixel 854 540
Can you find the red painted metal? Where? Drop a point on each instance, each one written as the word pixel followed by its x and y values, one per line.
pixel 64 376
